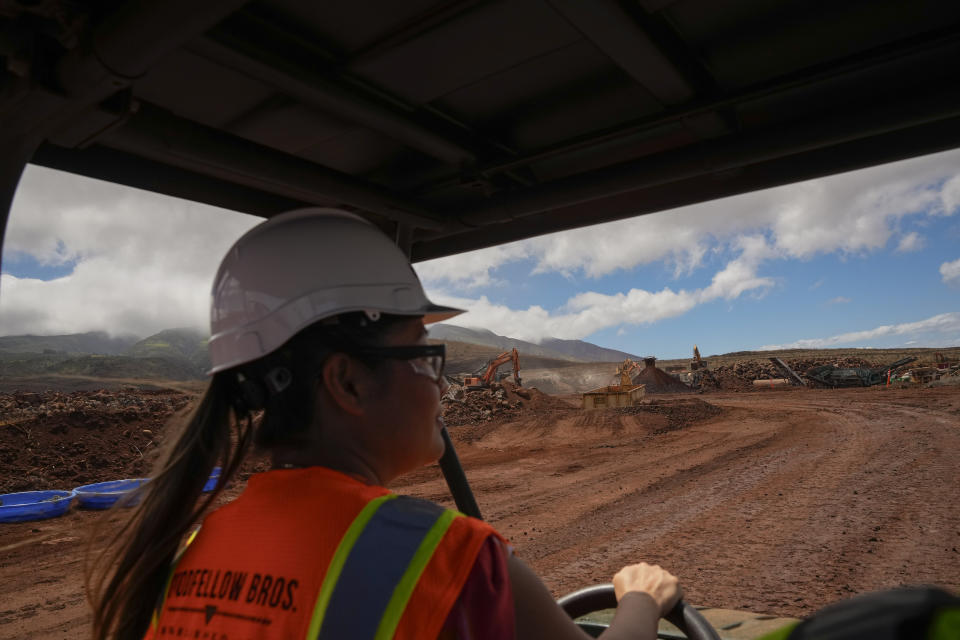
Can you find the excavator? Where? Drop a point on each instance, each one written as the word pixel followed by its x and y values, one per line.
pixel 476 383
pixel 699 370
pixel 625 372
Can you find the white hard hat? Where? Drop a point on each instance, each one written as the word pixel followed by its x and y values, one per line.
pixel 303 266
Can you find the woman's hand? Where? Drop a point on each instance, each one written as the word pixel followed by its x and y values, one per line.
pixel 659 584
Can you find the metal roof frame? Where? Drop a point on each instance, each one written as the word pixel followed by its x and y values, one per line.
pixel 459 124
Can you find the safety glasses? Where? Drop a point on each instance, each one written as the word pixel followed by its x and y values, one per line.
pixel 426 359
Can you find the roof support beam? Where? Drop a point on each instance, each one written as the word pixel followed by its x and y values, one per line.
pixel 945 44
pixel 315 88
pixel 856 154
pixel 163 137
pixel 119 49
pixel 615 33
pixel 721 155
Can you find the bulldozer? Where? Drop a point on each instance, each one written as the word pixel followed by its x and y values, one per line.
pixel 489 371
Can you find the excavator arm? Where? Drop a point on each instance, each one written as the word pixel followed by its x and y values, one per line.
pixel 503 358
pixel 625 373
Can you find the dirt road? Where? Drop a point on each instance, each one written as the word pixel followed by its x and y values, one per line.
pixel 777 501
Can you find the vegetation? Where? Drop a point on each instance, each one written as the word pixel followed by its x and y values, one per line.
pixel 173 354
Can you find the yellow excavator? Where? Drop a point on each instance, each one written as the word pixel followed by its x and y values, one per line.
pixel 625 372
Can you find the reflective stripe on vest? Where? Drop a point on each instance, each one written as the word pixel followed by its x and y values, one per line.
pixel 155 616
pixel 376 567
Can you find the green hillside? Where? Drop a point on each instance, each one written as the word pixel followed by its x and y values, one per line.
pixel 75 343
pixel 176 345
pixel 173 354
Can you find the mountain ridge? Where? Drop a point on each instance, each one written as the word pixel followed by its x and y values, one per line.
pixel 573 350
pixel 182 353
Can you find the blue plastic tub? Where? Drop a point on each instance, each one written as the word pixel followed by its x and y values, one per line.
pixel 104 495
pixel 212 480
pixel 34 505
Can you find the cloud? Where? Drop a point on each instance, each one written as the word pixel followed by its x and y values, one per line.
pixel 589 312
pixel 943 323
pixel 912 241
pixel 473 269
pixel 950 272
pixel 144 262
pixel 838 300
pixel 950 196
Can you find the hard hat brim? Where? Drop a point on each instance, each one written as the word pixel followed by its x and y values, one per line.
pixel 438 313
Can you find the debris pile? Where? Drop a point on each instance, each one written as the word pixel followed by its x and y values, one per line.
pixel 659 381
pixel 740 375
pixel 54 440
pixel 502 401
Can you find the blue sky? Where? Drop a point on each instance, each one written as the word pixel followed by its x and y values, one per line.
pixel 865 259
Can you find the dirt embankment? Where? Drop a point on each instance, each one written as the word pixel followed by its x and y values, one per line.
pixel 53 440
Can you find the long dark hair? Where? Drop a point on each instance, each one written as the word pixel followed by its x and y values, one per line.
pixel 129 576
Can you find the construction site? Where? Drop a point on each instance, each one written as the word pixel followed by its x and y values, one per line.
pixel 772 499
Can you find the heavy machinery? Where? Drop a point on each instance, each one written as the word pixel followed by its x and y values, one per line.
pixel 624 374
pixel 697 362
pixel 699 370
pixel 475 383
pixel 832 376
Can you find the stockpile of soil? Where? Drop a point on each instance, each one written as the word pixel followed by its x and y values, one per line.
pixel 680 413
pixel 659 381
pixel 53 440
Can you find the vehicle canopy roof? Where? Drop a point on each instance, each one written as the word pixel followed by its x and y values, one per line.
pixel 458 124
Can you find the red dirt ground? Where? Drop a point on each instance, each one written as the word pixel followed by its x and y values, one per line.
pixel 777 501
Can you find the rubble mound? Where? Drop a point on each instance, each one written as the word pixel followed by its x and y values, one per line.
pixel 740 375
pixel 658 381
pixel 502 401
pixel 680 413
pixel 53 440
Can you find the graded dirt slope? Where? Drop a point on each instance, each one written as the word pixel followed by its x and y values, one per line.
pixel 778 501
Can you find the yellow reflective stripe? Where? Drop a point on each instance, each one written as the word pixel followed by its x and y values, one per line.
pixel 404 589
pixel 945 625
pixel 338 560
pixel 155 618
pixel 780 634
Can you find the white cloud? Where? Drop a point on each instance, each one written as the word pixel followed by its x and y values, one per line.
pixel 943 323
pixel 838 300
pixel 473 269
pixel 950 272
pixel 145 262
pixel 950 196
pixel 911 242
pixel 589 312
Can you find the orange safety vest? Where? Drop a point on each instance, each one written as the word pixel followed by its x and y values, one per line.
pixel 313 553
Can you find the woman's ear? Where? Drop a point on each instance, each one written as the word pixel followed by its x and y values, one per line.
pixel 348 382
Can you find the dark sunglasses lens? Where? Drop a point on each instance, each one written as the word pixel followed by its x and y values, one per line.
pixel 437 364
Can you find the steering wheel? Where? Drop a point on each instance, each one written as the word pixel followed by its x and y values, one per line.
pixel 602 596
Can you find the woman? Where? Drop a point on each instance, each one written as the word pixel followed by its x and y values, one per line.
pixel 318 321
